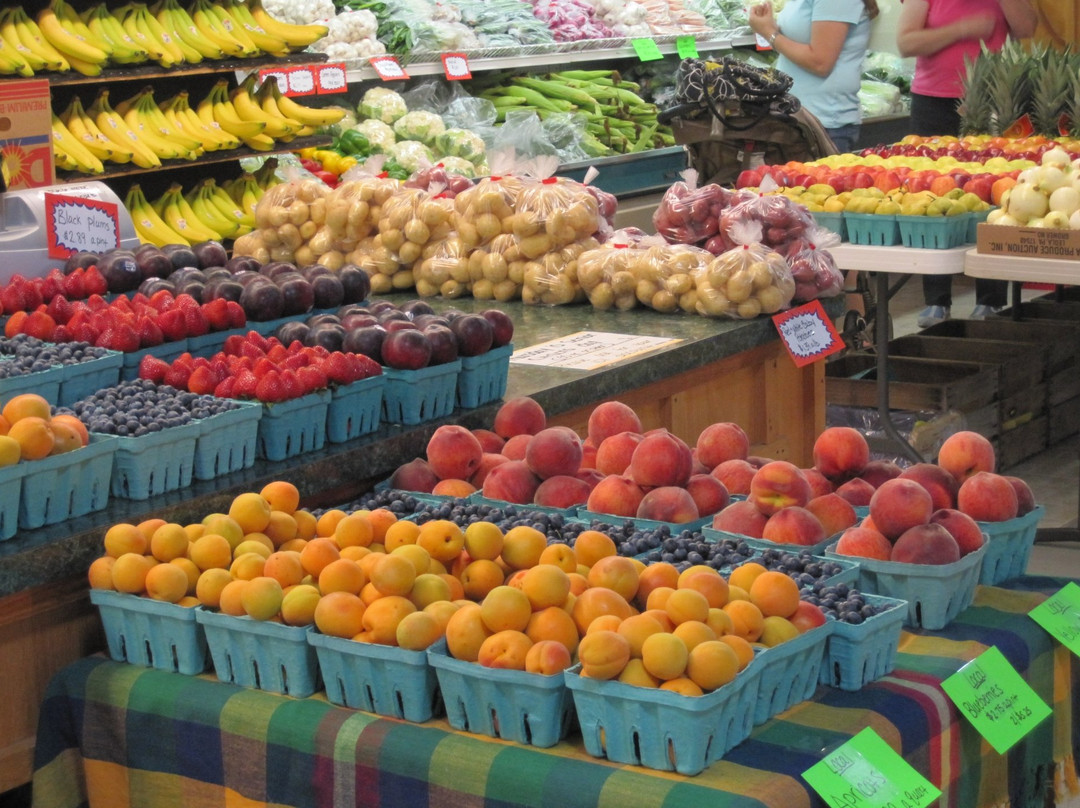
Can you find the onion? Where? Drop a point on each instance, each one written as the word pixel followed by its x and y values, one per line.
pixel 1026 202
pixel 1056 156
pixel 1065 199
pixel 1051 177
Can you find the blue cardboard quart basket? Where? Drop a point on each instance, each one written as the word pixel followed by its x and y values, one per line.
pixel 11 478
pixel 81 379
pixel 151 633
pixel 293 427
pixel 61 487
pixel 1008 546
pixel 355 409
pixel 46 383
pixel 858 654
pixel 789 672
pixel 261 654
pixel 414 396
pixel 154 463
pixel 483 378
pixel 227 441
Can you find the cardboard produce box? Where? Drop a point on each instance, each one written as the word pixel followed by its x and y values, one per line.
pixel 1028 242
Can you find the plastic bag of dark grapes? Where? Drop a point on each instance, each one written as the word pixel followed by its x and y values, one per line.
pixel 688 214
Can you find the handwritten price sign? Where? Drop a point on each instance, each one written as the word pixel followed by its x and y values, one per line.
pixel 388 68
pixel 330 78
pixel 308 79
pixel 1060 615
pixel 456 66
pixel 807 333
pixel 74 224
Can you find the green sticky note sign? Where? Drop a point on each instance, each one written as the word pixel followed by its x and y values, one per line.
pixel 996 699
pixel 1060 616
pixel 865 772
pixel 686 47
pixel 646 49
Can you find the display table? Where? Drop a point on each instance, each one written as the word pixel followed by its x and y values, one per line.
pixel 116 735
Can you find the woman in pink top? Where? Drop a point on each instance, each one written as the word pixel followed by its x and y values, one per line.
pixel 939 34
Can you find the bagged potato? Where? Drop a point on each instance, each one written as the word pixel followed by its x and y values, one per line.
pixel 286 218
pixel 485 210
pixel 443 269
pixel 622 277
pixel 551 279
pixel 497 269
pixel 743 282
pixel 552 213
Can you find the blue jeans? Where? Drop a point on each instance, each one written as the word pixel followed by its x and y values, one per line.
pixel 844 137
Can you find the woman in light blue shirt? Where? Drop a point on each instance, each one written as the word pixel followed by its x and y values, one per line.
pixel 821 45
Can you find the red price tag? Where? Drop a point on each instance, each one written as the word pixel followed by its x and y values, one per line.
pixel 301 81
pixel 388 68
pixel 330 78
pixel 807 333
pixel 456 66
pixel 75 224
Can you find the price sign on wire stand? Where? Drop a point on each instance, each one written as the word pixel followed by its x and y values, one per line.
pixel 330 78
pixel 456 66
pixel 807 333
pixel 1059 614
pixel 388 68
pixel 74 224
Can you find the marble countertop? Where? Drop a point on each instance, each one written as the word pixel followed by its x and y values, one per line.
pixel 337 472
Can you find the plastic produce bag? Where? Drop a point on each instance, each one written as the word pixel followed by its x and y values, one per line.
pixel 688 214
pixel 440 179
pixel 412 218
pixel 552 213
pixel 443 269
pixel 780 220
pixel 286 217
pixel 815 273
pixel 497 269
pixel 486 210
pixel 747 280
pixel 622 277
pixel 504 23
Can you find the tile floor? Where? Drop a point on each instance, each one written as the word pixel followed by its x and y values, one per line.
pixel 1054 474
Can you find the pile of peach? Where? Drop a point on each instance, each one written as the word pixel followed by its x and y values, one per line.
pixel 29 430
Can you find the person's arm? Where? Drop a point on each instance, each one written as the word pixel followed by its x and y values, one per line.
pixel 818 56
pixel 1020 16
pixel 913 38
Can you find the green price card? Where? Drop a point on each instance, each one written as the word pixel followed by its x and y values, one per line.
pixel 686 47
pixel 647 50
pixel 996 699
pixel 1060 615
pixel 865 772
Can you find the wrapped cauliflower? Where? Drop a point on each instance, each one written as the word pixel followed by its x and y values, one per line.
pixel 460 143
pixel 382 104
pixel 419 125
pixel 380 135
pixel 410 156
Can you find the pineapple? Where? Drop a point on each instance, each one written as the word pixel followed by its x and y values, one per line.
pixel 1051 89
pixel 1009 85
pixel 975 117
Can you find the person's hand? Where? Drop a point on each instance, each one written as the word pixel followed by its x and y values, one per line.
pixel 977 26
pixel 761 19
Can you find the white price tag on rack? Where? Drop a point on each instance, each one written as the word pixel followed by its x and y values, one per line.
pixel 388 68
pixel 456 66
pixel 275 74
pixel 330 78
pixel 301 81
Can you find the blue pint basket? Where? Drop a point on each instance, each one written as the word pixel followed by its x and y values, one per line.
pixel 871 228
pixel 355 409
pixel 151 633
pixel 293 427
pixel 527 708
pixel 659 729
pixel 831 221
pixel 261 654
pixel 414 396
pixel 483 378
pixel 974 219
pixel 226 441
pixel 789 672
pixel 11 478
pixel 154 463
pixel 61 487
pixel 166 352
pixel 1008 546
pixel 933 232
pixel 206 345
pixel 46 383
pixel 81 379
pixel 380 679
pixel 856 655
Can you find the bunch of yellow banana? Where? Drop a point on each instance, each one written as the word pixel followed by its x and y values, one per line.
pixel 149 37
pixel 149 226
pixel 175 210
pixel 85 130
pixel 183 119
pixel 69 153
pixel 245 192
pixel 144 118
pixel 274 102
pixel 297 37
pixel 175 19
pixel 217 107
pixel 23 49
pixel 278 125
pixel 111 124
pixel 123 50
pixel 66 32
pixel 216 209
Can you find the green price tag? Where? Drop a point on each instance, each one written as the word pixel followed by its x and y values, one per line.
pixel 646 49
pixel 996 699
pixel 1060 616
pixel 686 47
pixel 866 772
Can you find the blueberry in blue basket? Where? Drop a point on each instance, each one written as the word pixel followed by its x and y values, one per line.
pixel 138 407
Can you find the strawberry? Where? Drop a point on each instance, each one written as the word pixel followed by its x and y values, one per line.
pixel 202 380
pixel 216 313
pixel 291 384
pixel 245 384
pixel 121 303
pixel 51 285
pixel 162 300
pixel 186 301
pixel 311 378
pixel 95 302
pixel 172 325
pixel 153 368
pixel 252 350
pixel 233 345
pixel 74 285
pixel 219 366
pixel 40 325
pixel 59 308
pixel 33 296
pixel 83 332
pixel 186 361
pixel 226 388
pixel 317 351
pixel 258 340
pixel 94 281
pixel 336 367
pixel 295 347
pixel 277 354
pixel 368 366
pixel 270 388
pixel 13 298
pixel 61 334
pixel 262 367
pixel 177 376
pixel 195 322
pixel 126 338
pixel 297 360
pixel 149 332
pixel 237 317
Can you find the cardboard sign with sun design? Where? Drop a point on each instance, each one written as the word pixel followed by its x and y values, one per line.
pixel 26 134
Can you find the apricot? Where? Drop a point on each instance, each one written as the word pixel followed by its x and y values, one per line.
pixel 664 655
pixel 506 650
pixel 418 630
pixel 262 598
pixel 603 654
pixel 298 605
pixel 165 582
pixel 712 664
pixel 339 614
pixel 381 618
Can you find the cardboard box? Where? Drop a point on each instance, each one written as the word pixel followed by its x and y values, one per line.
pixel 1028 242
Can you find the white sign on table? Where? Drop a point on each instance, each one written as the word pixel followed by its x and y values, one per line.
pixel 588 350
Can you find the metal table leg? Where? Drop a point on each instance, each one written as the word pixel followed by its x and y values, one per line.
pixel 882 325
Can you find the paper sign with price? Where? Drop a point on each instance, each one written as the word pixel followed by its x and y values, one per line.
pixel 330 78
pixel 280 75
pixel 301 81
pixel 807 333
pixel 74 224
pixel 456 66
pixel 388 68
pixel 1060 615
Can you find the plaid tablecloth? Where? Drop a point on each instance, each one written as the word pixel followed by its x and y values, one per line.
pixel 115 735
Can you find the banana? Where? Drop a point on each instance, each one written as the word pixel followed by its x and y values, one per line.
pixel 10 35
pixel 211 130
pixel 217 196
pixel 225 114
pixel 58 28
pixel 262 40
pixel 169 24
pixel 154 28
pixel 151 227
pixel 74 119
pixel 69 144
pixel 209 215
pixel 208 26
pixel 63 159
pixel 187 31
pixel 178 214
pixel 277 126
pixel 115 128
pixel 128 17
pixel 31 37
pixel 205 138
pixel 304 115
pixel 152 116
pixel 149 135
pixel 102 24
pixel 232 27
pixel 12 62
pixel 266 174
pixel 84 121
pixel 297 37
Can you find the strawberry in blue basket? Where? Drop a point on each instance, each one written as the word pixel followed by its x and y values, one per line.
pixel 153 368
pixel 271 388
pixel 172 325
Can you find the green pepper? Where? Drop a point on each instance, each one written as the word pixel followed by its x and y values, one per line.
pixel 353 143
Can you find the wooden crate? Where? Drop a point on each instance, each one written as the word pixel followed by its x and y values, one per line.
pixel 1025 403
pixel 914 384
pixel 1059 339
pixel 1020 365
pixel 1064 421
pixel 1015 445
pixel 1063 386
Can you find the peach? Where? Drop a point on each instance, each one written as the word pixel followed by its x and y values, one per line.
pixel 609 418
pixel 857 491
pixel 512 481
pixel 547 658
pixel 721 442
pixel 793 525
pixel 777 485
pixel 505 649
pixel 709 494
pixel 515 447
pixel 668 504
pixel 603 654
pixel 964 453
pixel 987 497
pixel 878 471
pixel 590 476
pixel 840 453
pixel 616 495
pixel 588 455
pixel 833 511
pixel 735 475
pixel 553 451
pixel 489 441
pixel 819 483
pixel 961 527
pixel 757 461
pixel 939 482
pixel 741 517
pixel 453 488
pixel 926 544
pixel 660 459
pixel 519 416
pixel 864 542
pixel 453 452
pixel 614 453
pixel 1025 497
pixel 898 505
pixel 562 491
pixel 416 475
pixel 488 461
pixel 807 616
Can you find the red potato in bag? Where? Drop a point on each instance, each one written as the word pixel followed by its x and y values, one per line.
pixel 781 219
pixel 690 215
